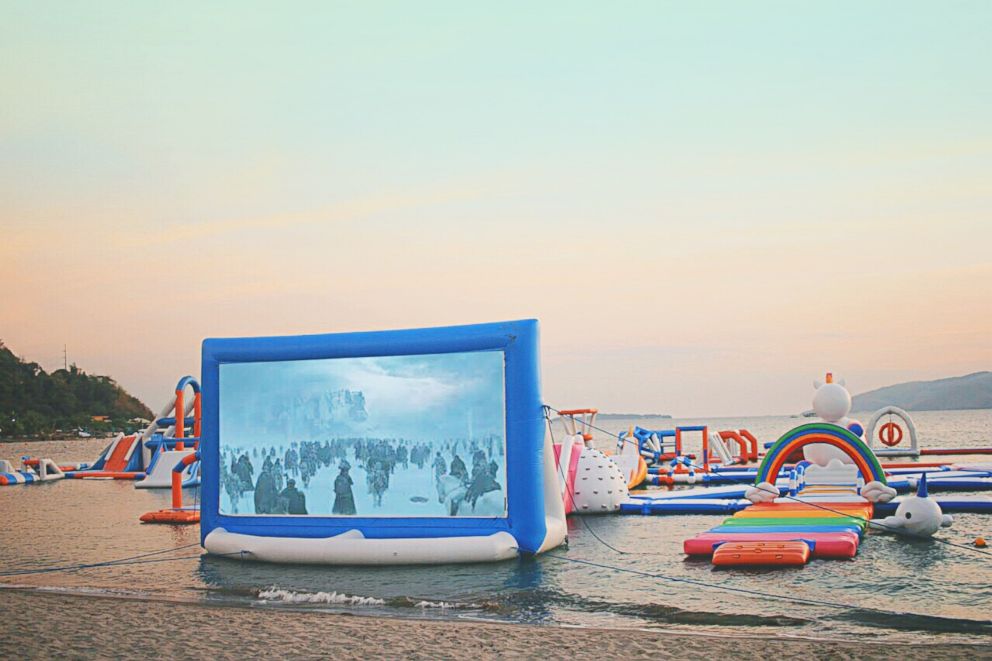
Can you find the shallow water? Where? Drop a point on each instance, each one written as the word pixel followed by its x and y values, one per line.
pixel 930 589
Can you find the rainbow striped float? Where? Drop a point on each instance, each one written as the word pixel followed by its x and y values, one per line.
pixel 826 519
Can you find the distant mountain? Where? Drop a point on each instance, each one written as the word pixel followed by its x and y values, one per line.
pixel 631 416
pixel 33 401
pixel 972 391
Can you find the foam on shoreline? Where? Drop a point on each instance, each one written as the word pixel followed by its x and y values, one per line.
pixel 84 632
pixel 336 598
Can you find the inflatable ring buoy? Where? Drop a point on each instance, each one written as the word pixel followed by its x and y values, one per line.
pixel 890 434
pixel 904 422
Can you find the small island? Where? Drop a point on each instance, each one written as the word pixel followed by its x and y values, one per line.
pixel 632 416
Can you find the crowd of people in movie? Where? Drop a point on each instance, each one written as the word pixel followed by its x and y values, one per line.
pixel 275 488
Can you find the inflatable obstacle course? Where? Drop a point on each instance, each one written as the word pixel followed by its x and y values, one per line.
pixel 656 445
pixel 829 523
pixel 121 460
pixel 33 471
pixel 177 513
pixel 632 467
pixel 667 463
pixel 165 442
pixel 159 474
pixel 825 510
pixel 590 481
pixel 136 456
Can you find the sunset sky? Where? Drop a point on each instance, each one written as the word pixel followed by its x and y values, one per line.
pixel 707 205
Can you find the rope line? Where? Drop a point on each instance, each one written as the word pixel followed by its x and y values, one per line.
pixel 714 586
pixel 746 591
pixel 135 560
pixel 872 522
pixel 592 426
pixel 52 568
pixel 984 554
pixel 571 496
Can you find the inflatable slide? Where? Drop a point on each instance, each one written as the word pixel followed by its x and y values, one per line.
pixel 159 473
pixel 118 461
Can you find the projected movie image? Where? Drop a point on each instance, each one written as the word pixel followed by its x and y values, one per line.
pixel 386 436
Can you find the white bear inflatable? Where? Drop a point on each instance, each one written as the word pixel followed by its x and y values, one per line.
pixel 832 402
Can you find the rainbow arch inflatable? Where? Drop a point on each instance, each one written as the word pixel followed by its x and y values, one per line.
pixel 820 432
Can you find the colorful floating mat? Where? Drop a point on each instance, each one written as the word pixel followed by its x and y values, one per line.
pixel 820 522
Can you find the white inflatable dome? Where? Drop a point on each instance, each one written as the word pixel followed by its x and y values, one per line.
pixel 600 486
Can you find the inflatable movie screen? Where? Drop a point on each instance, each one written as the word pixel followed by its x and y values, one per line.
pixel 386 436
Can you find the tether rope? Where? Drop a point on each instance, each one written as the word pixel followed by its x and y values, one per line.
pixel 723 587
pixel 875 523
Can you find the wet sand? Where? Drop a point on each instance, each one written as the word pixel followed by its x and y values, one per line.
pixel 39 624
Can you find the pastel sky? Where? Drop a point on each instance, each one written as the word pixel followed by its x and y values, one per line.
pixel 706 204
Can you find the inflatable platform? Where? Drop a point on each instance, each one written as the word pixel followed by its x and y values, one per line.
pixel 828 520
pixel 178 513
pixel 33 471
pixel 823 515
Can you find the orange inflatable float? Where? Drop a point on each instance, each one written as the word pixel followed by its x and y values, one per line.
pixel 733 554
pixel 172 516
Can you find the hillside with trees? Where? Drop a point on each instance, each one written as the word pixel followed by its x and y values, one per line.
pixel 971 391
pixel 36 403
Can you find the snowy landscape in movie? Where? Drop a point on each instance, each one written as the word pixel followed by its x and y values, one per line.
pixel 419 435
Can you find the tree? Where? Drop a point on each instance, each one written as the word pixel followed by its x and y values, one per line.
pixel 35 402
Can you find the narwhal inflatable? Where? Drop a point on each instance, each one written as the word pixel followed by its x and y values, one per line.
pixel 917 516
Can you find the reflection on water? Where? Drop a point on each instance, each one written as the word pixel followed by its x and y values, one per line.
pixel 92 521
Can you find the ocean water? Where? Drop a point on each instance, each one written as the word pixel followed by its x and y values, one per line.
pixel 617 571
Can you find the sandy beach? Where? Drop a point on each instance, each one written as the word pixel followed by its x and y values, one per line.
pixel 39 624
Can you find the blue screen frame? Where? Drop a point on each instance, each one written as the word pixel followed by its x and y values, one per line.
pixel 519 342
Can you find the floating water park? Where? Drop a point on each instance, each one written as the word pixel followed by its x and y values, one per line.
pixel 434 446
pixel 470 331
